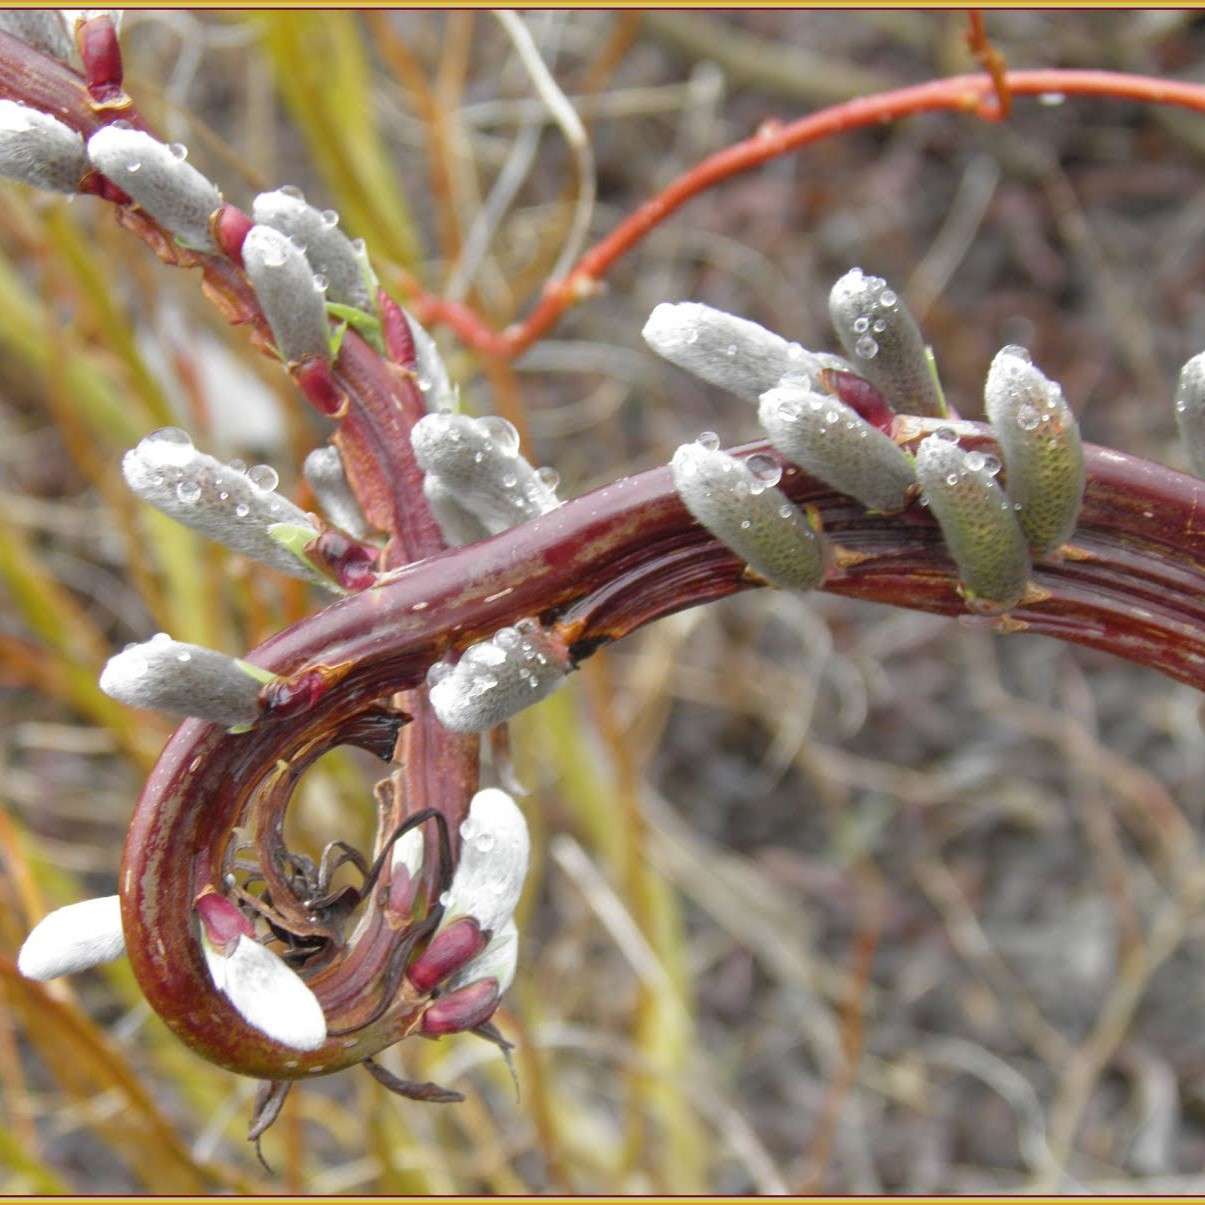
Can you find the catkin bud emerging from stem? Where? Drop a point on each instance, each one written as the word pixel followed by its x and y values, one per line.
pixel 731 352
pixel 236 507
pixel 475 463
pixel 323 469
pixel 834 443
pixel 978 523
pixel 1040 444
pixel 160 180
pixel 349 278
pixel 39 150
pixel 882 338
pixel 263 989
pixel 292 296
pixel 180 679
pixel 1190 412
pixel 739 503
pixel 498 678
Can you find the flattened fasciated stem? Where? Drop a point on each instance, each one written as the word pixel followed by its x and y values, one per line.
pixel 601 566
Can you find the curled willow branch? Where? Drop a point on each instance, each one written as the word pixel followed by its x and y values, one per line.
pixel 599 567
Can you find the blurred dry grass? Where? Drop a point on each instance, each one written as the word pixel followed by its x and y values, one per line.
pixel 826 896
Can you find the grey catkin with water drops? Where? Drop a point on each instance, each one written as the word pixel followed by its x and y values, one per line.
pixel 740 504
pixel 835 444
pixel 160 180
pixel 1040 444
pixel 1190 412
pixel 884 342
pixel 978 523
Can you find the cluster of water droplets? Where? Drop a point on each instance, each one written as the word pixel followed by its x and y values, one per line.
pixel 191 474
pixel 877 301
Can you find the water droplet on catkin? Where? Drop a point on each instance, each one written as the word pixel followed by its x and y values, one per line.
pixel 1028 419
pixel 264 476
pixel 766 472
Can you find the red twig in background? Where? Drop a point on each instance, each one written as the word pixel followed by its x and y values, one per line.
pixel 958 93
pixel 992 61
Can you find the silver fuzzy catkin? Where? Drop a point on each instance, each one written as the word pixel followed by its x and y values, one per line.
pixel 474 465
pixel 882 339
pixel 835 444
pixel 39 150
pixel 236 507
pixel 734 353
pixel 740 504
pixel 496 679
pixel 340 261
pixel 323 469
pixel 160 180
pixel 291 295
pixel 181 679
pixel 1040 444
pixel 978 523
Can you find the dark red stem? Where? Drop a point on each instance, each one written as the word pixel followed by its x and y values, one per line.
pixel 601 566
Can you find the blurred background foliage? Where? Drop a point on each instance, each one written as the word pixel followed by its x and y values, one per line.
pixel 825 896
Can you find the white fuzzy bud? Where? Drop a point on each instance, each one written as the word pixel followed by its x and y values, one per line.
pixel 476 462
pixel 433 381
pixel 73 938
pixel 880 335
pixel 494 852
pixel 323 469
pixel 978 523
pixel 160 180
pixel 42 28
pixel 497 678
pixel 181 679
pixel 236 508
pixel 267 993
pixel 330 252
pixel 740 504
pixel 39 150
pixel 1040 444
pixel 733 353
pixel 1190 412
pixel 834 443
pixel 292 296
